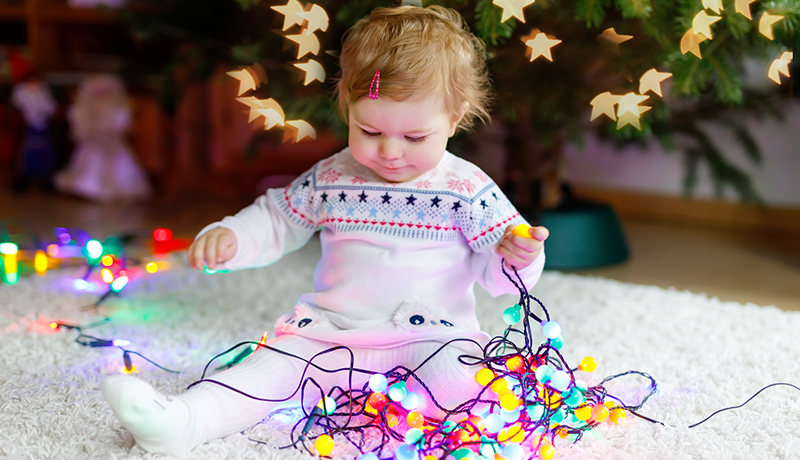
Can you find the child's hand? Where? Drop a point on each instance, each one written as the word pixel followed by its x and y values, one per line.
pixel 214 247
pixel 520 251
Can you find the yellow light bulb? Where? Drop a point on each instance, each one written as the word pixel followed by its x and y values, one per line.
pixel 40 262
pixel 108 277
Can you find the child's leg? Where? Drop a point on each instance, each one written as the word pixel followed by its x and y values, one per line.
pixel 449 381
pixel 176 424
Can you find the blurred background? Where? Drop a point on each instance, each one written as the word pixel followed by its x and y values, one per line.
pixel 121 116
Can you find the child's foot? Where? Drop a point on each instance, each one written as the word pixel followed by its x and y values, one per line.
pixel 159 424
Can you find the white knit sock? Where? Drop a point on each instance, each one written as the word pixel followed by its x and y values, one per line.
pixel 159 423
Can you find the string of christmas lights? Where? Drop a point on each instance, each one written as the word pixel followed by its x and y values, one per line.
pixel 531 399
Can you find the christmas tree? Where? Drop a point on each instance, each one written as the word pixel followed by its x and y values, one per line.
pixel 560 67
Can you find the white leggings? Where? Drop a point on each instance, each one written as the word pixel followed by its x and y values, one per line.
pixel 267 374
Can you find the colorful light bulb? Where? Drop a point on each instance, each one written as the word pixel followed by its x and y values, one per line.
pixel 509 401
pixel 119 283
pixel 378 383
pixel 512 315
pixel 414 419
pixel 544 373
pixel 493 423
pixel 600 413
pixel 510 416
pixel 583 412
pixel 162 235
pixel 559 380
pixel 547 451
pixel 515 364
pixel 398 391
pixel 411 401
pixel 484 376
pixel 551 329
pixel 324 444
pixel 405 452
pixel 413 435
pixel 513 451
pixel 499 386
pixel 8 255
pixel 328 405
pixel 588 364
pixel 93 249
pixel 40 262
pixel 377 400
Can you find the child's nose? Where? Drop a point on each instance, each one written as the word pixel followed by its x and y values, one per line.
pixel 390 150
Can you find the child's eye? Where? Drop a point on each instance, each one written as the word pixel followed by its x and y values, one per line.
pixel 369 134
pixel 416 139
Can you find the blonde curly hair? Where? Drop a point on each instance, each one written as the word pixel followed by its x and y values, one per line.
pixel 419 52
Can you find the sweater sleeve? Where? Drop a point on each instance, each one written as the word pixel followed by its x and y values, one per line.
pixel 277 223
pixel 490 212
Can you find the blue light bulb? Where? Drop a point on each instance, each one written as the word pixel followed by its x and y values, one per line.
pixel 378 383
pixel 551 329
pixel 398 391
pixel 559 381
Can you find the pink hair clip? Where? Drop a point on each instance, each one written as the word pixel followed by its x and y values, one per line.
pixel 376 83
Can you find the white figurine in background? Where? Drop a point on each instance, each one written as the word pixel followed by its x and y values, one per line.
pixel 102 167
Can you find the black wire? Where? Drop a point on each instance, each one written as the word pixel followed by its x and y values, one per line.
pixel 148 360
pixel 742 404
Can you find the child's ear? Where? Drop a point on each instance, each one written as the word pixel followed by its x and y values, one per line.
pixel 457 118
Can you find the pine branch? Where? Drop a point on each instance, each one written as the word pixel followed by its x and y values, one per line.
pixel 487 23
pixel 591 11
pixel 726 80
pixel 635 8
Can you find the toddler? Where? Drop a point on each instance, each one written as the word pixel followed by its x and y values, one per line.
pixel 406 230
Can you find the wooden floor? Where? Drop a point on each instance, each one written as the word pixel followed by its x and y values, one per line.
pixel 761 269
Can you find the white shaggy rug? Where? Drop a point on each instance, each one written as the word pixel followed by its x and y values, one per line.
pixel 704 354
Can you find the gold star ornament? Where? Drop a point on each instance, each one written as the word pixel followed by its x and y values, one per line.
pixel 701 24
pixel 765 24
pixel 513 8
pixel 268 108
pixel 629 103
pixel 308 43
pixel 690 42
pixel 651 81
pixel 313 70
pixel 292 12
pixel 611 39
pixel 714 5
pixel 247 80
pixel 317 19
pixel 303 130
pixel 743 8
pixel 631 118
pixel 603 104
pixel 540 46
pixel 780 66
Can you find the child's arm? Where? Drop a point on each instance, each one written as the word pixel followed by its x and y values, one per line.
pixel 521 245
pixel 488 229
pixel 277 223
pixel 213 247
pixel 487 264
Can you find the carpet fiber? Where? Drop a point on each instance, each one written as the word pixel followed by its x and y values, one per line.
pixel 704 354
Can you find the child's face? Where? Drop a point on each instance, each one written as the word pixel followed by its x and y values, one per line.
pixel 400 140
